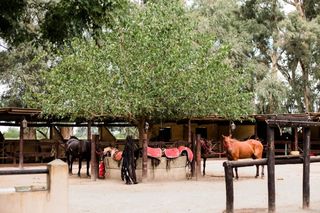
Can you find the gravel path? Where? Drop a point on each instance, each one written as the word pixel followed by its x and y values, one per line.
pixel 202 196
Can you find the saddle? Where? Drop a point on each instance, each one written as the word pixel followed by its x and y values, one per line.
pixel 172 152
pixel 154 152
pixel 187 150
pixel 113 152
pixel 117 156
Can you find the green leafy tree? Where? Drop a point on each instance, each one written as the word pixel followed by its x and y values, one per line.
pixel 30 27
pixel 12 133
pixel 155 65
pixel 19 68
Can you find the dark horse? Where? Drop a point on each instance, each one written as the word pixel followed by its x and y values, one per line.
pixel 243 149
pixel 78 149
pixel 207 149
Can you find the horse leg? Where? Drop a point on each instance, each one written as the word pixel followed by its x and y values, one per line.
pixel 262 171
pixel 69 164
pixel 80 161
pixel 236 170
pixel 257 171
pixel 88 165
pixel 204 166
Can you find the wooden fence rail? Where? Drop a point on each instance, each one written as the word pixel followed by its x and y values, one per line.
pixel 24 171
pixel 229 165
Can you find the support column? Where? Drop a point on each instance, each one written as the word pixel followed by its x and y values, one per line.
pixel 94 166
pixel 295 139
pixel 193 163
pixel 306 168
pixel 22 126
pixel 271 169
pixel 198 156
pixel 145 156
pixel 228 175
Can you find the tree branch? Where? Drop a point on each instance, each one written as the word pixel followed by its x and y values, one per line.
pixel 289 2
pixel 1 45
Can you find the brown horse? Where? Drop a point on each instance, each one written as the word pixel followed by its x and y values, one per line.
pixel 207 149
pixel 243 149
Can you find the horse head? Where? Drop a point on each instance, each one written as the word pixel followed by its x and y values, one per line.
pixel 227 140
pixel 107 151
pixel 207 146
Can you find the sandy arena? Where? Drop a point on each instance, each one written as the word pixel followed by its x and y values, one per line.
pixel 202 196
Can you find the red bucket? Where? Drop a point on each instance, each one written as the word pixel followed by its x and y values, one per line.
pixel 102 170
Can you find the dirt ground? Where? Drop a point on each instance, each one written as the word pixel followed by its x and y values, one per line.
pixel 197 196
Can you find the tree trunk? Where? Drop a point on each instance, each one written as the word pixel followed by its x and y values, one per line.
pixel 141 131
pixel 29 133
pixel 306 88
pixel 66 132
pixel 305 72
pixel 143 140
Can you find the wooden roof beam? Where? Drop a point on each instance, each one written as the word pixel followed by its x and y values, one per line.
pixel 290 123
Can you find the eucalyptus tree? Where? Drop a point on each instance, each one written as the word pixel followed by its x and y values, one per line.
pixel 267 37
pixel 249 27
pixel 154 65
pixel 301 45
pixel 290 45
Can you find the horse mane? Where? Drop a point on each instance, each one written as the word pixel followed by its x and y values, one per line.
pixel 73 137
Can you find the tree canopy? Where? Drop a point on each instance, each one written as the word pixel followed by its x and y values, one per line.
pixel 160 59
pixel 156 64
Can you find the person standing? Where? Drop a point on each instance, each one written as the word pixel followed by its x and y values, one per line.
pixel 128 169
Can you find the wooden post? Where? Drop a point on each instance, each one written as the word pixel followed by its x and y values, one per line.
pixel 145 156
pixel 296 139
pixel 271 174
pixel 56 143
pixel 306 168
pixel 189 132
pixel 198 156
pixel 193 163
pixel 21 145
pixel 94 166
pixel 228 175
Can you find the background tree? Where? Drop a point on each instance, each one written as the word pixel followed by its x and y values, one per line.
pixel 30 27
pixel 301 45
pixel 254 49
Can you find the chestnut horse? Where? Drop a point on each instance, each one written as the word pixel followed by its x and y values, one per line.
pixel 243 149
